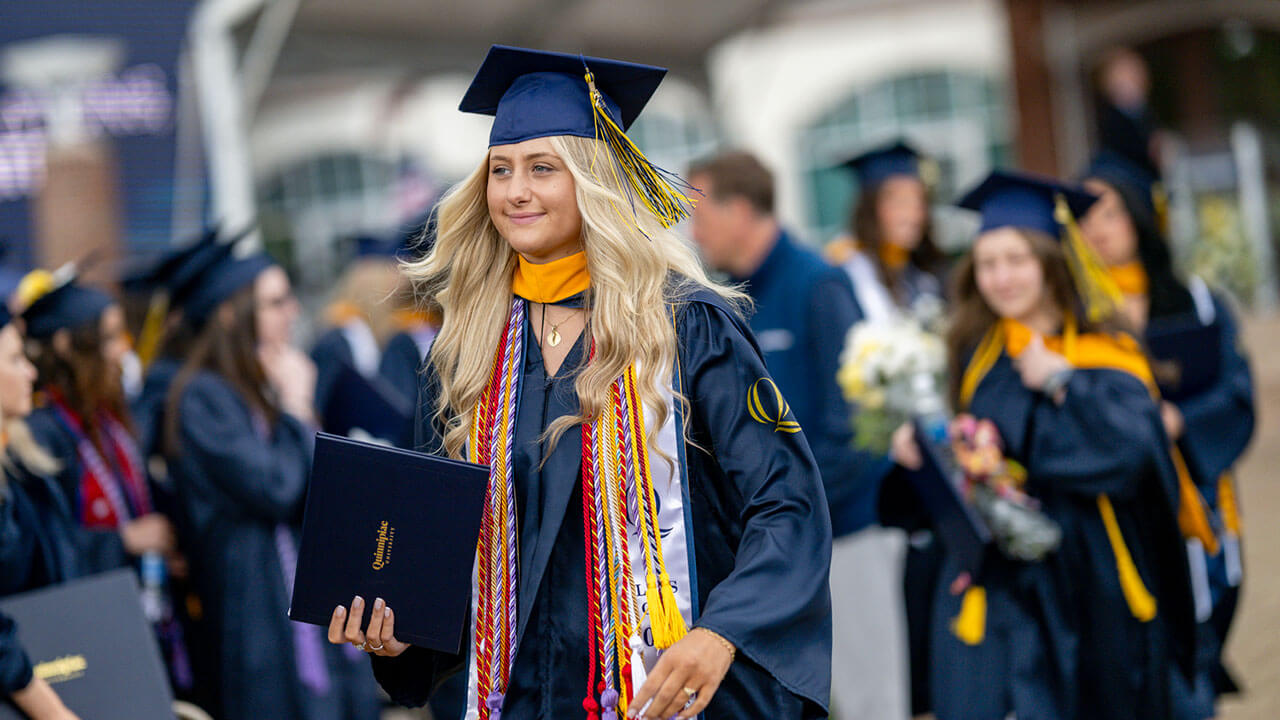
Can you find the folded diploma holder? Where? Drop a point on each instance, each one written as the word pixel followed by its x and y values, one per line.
pixel 1181 346
pixel 89 640
pixel 393 524
pixel 939 485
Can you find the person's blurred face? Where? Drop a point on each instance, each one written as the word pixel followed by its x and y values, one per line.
pixel 533 200
pixel 718 224
pixel 1107 226
pixel 17 375
pixel 275 305
pixel 115 340
pixel 1008 274
pixel 902 209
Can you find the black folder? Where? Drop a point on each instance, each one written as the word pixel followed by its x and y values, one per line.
pixel 1190 350
pixel 370 404
pixel 89 640
pixel 395 524
pixel 938 484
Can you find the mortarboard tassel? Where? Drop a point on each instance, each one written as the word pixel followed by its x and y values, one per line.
pixel 1098 291
pixel 152 328
pixel 662 192
pixel 1160 200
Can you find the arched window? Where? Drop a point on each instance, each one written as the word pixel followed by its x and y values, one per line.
pixel 958 118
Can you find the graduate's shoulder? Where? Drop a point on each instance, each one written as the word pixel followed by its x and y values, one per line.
pixel 702 312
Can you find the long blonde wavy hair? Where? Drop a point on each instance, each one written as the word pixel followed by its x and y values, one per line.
pixel 633 261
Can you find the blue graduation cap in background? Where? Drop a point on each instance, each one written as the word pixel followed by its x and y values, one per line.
pixel 875 166
pixel 536 93
pixel 57 301
pixel 1010 199
pixel 1117 170
pixel 1022 200
pixel 225 274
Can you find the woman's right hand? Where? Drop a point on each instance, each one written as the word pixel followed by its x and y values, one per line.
pixel 150 533
pixel 903 448
pixel 344 627
pixel 39 701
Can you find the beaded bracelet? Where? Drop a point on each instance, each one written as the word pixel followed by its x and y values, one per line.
pixel 733 651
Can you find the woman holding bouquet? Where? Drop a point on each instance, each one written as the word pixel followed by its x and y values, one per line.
pixel 1205 383
pixel 892 262
pixel 1091 630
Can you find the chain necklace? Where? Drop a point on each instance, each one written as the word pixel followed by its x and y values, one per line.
pixel 553 338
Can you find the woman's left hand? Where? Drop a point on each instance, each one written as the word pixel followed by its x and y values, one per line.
pixel 697 663
pixel 1038 363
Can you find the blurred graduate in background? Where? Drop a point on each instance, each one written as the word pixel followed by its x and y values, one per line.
pixel 237 438
pixel 1203 373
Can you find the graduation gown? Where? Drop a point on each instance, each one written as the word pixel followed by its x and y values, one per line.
pixel 1060 639
pixel 38 547
pixel 803 311
pixel 239 492
pixel 401 360
pixel 758 519
pixel 1219 422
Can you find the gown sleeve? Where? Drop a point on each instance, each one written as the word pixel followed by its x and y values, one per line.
pixel 411 678
pixel 1101 439
pixel 267 482
pixel 782 516
pixel 15 666
pixel 1220 420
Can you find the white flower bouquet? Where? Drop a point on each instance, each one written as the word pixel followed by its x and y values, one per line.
pixel 890 371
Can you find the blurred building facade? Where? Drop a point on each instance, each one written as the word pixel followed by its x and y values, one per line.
pixel 325 119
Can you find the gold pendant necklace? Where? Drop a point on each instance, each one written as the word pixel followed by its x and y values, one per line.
pixel 553 339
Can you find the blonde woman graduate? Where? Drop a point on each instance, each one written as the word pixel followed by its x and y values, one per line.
pixel 656 541
pixel 1092 629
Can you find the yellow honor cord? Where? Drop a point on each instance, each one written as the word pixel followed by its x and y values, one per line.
pixel 1140 601
pixel 1227 502
pixel 1193 518
pixel 970 626
pixel 664 614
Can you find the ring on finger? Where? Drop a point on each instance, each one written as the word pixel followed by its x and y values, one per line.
pixel 375 649
pixel 693 697
pixel 360 645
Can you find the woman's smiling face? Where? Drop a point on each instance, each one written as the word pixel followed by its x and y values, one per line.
pixel 533 200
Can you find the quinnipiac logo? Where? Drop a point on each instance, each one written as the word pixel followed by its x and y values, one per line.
pixel 382 551
pixel 767 407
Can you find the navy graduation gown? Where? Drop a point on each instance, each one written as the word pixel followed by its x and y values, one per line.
pixel 235 489
pixel 1060 637
pixel 329 354
pixel 38 547
pixel 400 363
pixel 759 523
pixel 1219 422
pixel 804 309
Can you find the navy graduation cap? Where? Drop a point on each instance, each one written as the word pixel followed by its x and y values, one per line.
pixel 59 302
pixel 1010 199
pixel 875 166
pixel 226 273
pixel 1119 171
pixel 536 93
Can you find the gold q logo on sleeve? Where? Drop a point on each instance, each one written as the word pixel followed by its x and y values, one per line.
pixel 768 407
